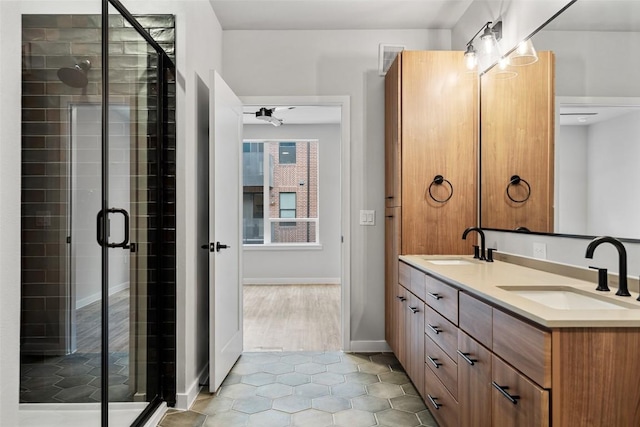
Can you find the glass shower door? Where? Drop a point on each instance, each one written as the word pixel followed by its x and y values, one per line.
pixel 134 212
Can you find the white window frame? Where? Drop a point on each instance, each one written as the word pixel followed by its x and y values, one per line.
pixel 268 221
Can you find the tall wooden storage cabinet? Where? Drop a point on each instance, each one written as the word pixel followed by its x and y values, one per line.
pixel 431 129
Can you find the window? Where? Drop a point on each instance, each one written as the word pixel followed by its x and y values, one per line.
pixel 287 208
pixel 258 205
pixel 280 192
pixel 287 153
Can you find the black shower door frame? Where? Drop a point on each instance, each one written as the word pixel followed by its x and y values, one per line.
pixel 164 66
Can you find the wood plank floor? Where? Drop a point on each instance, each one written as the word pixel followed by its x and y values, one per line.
pixel 88 325
pixel 292 318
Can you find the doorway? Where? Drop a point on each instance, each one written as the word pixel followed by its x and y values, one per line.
pixel 295 224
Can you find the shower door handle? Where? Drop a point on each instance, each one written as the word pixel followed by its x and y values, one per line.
pixel 101 239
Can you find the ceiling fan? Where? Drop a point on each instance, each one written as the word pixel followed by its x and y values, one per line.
pixel 266 114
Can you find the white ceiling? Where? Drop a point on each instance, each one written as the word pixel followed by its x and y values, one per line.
pixel 599 15
pixel 338 14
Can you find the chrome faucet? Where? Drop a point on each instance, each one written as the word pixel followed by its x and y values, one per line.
pixel 482 245
pixel 622 260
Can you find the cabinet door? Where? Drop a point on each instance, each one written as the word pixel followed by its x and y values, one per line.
pixel 392 242
pixel 516 401
pixel 416 358
pixel 474 382
pixel 439 137
pixel 392 119
pixel 400 315
pixel 518 139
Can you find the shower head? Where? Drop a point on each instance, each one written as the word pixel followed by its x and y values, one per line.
pixel 75 76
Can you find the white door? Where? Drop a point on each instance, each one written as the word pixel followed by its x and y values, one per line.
pixel 224 232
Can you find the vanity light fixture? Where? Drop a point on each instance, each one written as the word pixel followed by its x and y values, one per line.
pixel 470 57
pixel 524 54
pixel 488 49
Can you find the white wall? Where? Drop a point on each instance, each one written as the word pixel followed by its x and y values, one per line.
pixel 10 147
pixel 571 180
pixel 313 265
pixel 344 62
pixel 593 63
pixel 614 200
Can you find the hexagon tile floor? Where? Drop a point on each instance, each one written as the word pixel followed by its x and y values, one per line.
pixel 309 389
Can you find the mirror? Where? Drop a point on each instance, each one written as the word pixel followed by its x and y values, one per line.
pixel 587 184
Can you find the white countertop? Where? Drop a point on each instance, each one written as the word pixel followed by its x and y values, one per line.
pixel 486 279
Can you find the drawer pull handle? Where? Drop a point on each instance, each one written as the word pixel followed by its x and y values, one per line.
pixel 503 390
pixel 434 362
pixel 434 296
pixel 414 310
pixel 433 401
pixel 434 328
pixel 401 298
pixel 466 358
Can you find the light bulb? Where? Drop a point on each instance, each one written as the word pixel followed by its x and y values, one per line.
pixel 470 58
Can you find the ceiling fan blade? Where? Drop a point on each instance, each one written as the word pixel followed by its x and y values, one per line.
pixel 282 108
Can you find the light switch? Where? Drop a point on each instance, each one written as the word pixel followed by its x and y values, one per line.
pixel 367 217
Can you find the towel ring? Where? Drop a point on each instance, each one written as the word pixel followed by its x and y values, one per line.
pixel 516 180
pixel 439 180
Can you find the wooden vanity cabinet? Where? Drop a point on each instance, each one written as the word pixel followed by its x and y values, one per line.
pixel 485 367
pixel 431 128
pixel 504 368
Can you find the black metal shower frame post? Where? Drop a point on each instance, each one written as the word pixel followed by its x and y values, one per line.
pixel 164 63
pixel 104 362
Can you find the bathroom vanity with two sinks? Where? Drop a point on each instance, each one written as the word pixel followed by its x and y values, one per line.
pixel 507 345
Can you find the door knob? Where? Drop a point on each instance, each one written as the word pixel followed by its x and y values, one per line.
pixel 220 246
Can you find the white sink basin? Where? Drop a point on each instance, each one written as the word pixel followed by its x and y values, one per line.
pixel 449 261
pixel 564 298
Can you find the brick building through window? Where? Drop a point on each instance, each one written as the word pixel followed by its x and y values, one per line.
pixel 290 187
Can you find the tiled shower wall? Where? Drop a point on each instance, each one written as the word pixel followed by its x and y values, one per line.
pixel 50 42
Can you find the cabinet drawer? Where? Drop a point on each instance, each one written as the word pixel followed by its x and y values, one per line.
pixel 516 401
pixel 418 283
pixel 476 319
pixel 445 368
pixel 441 331
pixel 404 275
pixel 524 346
pixel 443 298
pixel 440 402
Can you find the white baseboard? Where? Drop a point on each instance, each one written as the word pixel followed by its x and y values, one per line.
pixel 380 346
pixel 185 400
pixel 98 295
pixel 292 281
